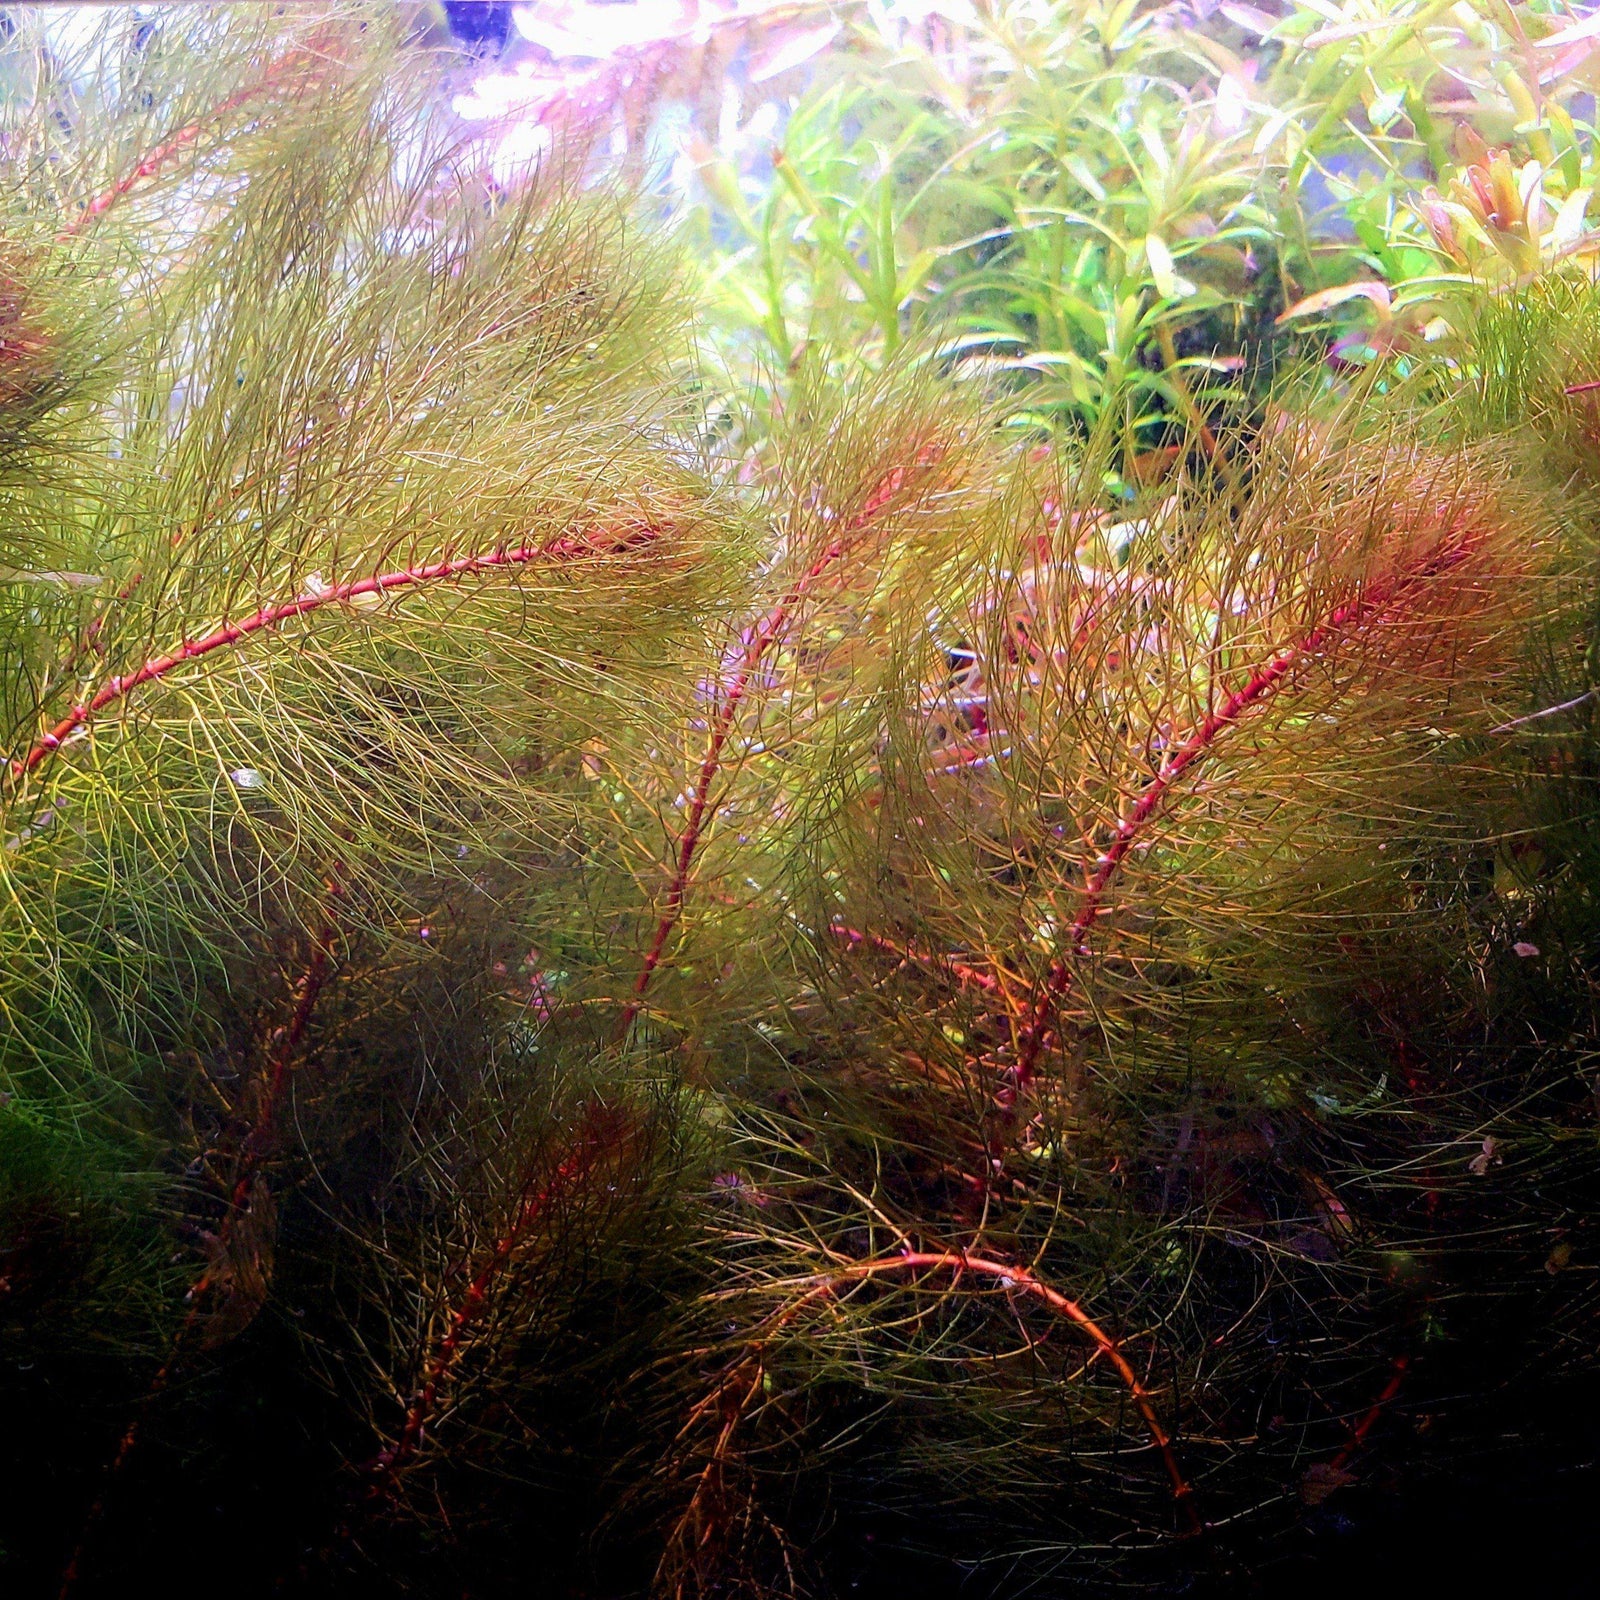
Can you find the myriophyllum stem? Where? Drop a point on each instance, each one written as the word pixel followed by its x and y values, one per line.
pixel 1256 691
pixel 745 1379
pixel 1386 1396
pixel 602 1129
pixel 163 153
pixel 90 640
pixel 757 640
pixel 255 1146
pixel 258 1142
pixel 147 168
pixel 733 1396
pixel 1021 1280
pixel 962 971
pixel 271 617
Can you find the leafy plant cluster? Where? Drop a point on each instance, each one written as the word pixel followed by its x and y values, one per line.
pixel 584 1010
pixel 1124 199
pixel 1097 200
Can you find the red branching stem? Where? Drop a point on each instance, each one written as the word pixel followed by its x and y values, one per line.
pixel 732 1397
pixel 258 1142
pixel 270 617
pixel 126 1445
pixel 756 641
pixel 147 168
pixel 599 1134
pixel 255 1147
pixel 1386 1396
pixel 909 953
pixel 164 152
pixel 1021 1280
pixel 742 1383
pixel 1256 691
pixel 91 636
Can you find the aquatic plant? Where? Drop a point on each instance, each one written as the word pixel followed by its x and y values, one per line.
pixel 722 1021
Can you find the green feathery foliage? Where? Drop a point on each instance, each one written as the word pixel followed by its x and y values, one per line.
pixel 578 1014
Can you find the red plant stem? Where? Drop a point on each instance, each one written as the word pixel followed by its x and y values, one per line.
pixel 91 636
pixel 147 168
pixel 308 991
pixel 1386 1396
pixel 1256 690
pixel 956 968
pixel 274 616
pixel 1020 1278
pixel 258 1142
pixel 942 1260
pixel 732 1415
pixel 158 157
pixel 757 641
pixel 601 1130
pixel 126 1445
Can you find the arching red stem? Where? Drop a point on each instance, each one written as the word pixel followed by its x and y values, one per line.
pixel 274 616
pixel 258 1141
pixel 1022 1280
pixel 1256 690
pixel 161 154
pixel 256 1145
pixel 757 641
pixel 960 970
pixel 744 1379
pixel 1358 1434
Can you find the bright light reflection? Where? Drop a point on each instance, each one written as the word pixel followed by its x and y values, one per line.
pixel 601 30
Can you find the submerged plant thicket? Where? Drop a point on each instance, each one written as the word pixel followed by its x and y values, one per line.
pixel 587 1018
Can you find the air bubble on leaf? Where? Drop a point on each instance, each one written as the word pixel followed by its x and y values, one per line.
pixel 1386 108
pixel 245 778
